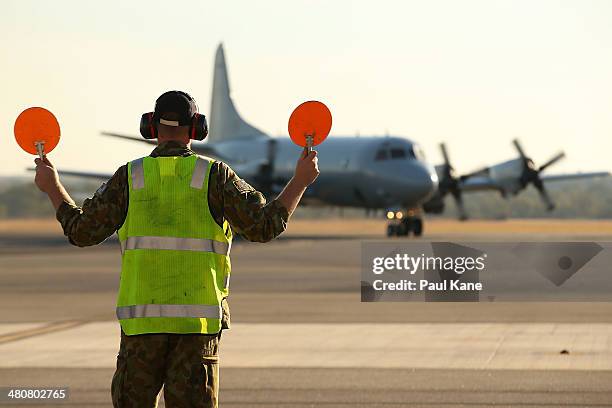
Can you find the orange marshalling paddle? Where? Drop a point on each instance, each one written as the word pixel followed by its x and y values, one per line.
pixel 37 131
pixel 309 124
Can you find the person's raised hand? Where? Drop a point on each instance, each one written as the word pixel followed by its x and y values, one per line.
pixel 46 175
pixel 307 169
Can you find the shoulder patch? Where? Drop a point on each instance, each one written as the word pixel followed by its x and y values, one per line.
pixel 242 185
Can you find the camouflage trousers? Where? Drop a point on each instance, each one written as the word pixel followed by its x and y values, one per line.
pixel 187 365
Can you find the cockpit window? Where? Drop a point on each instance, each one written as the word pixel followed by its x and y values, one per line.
pixel 381 155
pixel 418 152
pixel 386 152
pixel 397 153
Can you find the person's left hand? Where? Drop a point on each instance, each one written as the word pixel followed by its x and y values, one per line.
pixel 46 175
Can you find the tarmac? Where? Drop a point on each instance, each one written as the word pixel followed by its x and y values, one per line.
pixel 300 335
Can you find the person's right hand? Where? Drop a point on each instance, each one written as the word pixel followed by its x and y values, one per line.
pixel 46 175
pixel 306 169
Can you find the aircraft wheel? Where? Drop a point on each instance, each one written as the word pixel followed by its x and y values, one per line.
pixel 391 230
pixel 417 227
pixel 404 227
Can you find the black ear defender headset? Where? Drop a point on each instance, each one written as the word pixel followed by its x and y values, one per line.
pixel 183 105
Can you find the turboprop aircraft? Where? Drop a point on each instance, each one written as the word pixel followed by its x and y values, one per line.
pixel 370 172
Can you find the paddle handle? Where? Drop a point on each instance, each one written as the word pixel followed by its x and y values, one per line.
pixel 40 149
pixel 309 143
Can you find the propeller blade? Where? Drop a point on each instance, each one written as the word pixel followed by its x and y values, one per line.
pixel 459 203
pixel 544 195
pixel 444 154
pixel 552 161
pixel 518 147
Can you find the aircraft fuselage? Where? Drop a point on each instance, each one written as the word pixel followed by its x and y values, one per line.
pixel 370 172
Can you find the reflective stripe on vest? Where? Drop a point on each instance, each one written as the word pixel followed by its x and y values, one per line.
pixel 197 311
pixel 137 174
pixel 176 244
pixel 199 173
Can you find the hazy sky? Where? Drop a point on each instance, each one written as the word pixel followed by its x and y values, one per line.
pixel 472 73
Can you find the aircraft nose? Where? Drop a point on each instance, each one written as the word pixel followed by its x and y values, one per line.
pixel 425 181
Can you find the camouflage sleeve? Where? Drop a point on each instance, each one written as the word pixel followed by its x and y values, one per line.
pixel 243 207
pixel 100 216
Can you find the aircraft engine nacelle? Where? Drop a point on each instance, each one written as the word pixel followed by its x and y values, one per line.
pixel 435 205
pixel 508 175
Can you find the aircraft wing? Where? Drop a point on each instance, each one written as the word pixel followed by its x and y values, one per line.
pixel 478 183
pixel 198 147
pixel 128 137
pixel 81 174
pixel 84 174
pixel 483 183
pixel 574 176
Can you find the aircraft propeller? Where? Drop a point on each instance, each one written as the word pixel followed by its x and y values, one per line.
pixel 449 183
pixel 531 174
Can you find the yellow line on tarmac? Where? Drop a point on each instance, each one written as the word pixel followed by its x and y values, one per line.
pixel 37 331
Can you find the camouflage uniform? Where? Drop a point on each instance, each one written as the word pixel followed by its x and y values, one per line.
pixel 186 364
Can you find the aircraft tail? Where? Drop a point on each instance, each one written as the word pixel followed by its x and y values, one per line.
pixel 225 122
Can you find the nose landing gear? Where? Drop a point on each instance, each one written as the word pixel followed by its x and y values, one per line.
pixel 402 225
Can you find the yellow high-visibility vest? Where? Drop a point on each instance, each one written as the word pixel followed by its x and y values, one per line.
pixel 175 257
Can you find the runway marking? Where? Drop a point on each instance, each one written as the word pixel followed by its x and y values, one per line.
pixel 531 346
pixel 497 347
pixel 7 328
pixel 38 329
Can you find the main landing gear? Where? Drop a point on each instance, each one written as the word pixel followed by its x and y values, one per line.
pixel 401 225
